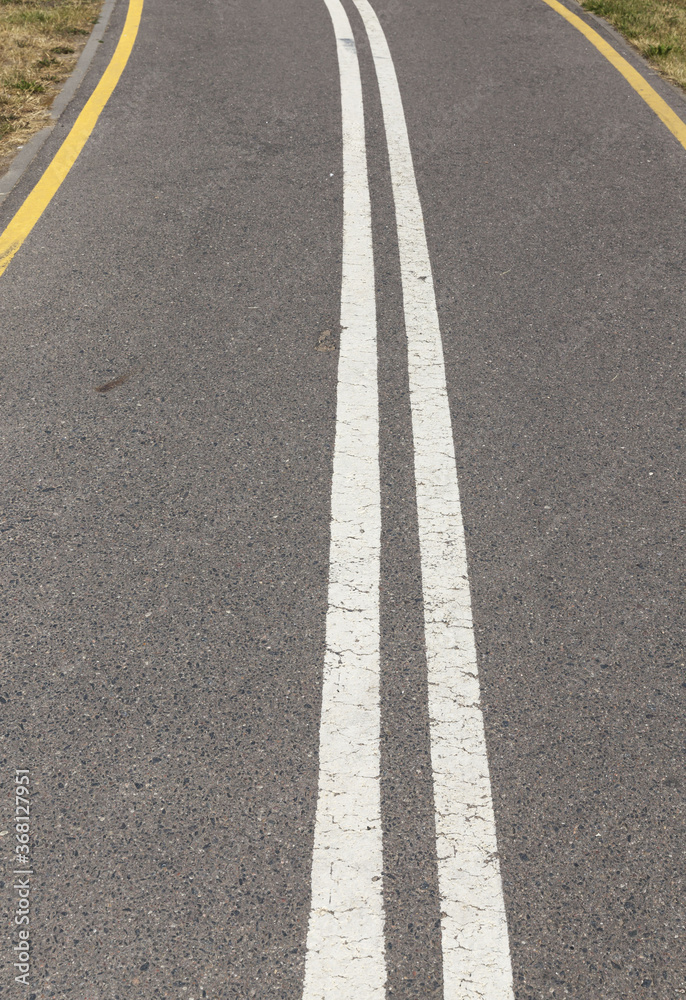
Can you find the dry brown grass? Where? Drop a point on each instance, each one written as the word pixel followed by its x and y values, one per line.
pixel 40 42
pixel 657 28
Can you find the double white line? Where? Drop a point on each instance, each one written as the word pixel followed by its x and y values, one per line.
pixel 345 942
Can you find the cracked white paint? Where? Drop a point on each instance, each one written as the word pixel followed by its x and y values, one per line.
pixel 476 955
pixel 345 940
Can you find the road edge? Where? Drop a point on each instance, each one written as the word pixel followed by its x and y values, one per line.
pixel 576 7
pixel 634 77
pixel 25 156
pixel 681 90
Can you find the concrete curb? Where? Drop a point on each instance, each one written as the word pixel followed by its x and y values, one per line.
pixel 26 155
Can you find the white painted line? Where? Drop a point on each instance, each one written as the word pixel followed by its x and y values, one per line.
pixel 345 940
pixel 476 955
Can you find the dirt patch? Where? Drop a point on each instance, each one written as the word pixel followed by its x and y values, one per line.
pixel 40 43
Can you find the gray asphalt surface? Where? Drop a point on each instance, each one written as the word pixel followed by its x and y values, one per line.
pixel 165 543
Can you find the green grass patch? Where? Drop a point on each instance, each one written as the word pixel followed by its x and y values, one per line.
pixel 30 86
pixel 656 28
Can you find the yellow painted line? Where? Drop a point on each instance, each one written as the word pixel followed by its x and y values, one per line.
pixel 640 85
pixel 65 158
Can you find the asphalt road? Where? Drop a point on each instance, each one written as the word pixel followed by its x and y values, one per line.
pixel 165 544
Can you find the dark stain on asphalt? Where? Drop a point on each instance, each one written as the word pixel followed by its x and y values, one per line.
pixel 114 383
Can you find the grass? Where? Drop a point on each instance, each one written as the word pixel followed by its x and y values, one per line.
pixel 40 42
pixel 657 28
